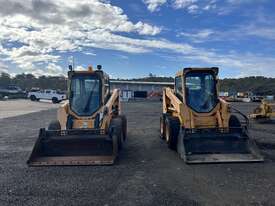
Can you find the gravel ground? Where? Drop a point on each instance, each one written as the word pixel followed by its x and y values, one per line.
pixel 147 173
pixel 12 108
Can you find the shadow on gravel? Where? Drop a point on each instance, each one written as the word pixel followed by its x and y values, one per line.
pixel 266 146
pixel 264 122
pixel 267 150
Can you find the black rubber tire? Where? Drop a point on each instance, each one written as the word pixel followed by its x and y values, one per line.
pixel 172 128
pixel 54 125
pixel 33 98
pixel 54 100
pixel 162 127
pixel 234 122
pixel 116 128
pixel 124 126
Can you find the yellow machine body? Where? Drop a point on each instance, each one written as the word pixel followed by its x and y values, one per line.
pixel 89 129
pixel 218 117
pixel 265 111
pixel 204 133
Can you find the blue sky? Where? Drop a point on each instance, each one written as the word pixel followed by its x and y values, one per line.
pixel 136 37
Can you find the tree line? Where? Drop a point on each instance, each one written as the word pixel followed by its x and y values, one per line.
pixel 28 81
pixel 258 85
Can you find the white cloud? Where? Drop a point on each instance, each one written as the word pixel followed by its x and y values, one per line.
pixel 90 53
pixel 199 6
pixel 182 4
pixel 122 56
pixel 193 9
pixel 153 5
pixel 240 32
pixel 242 64
pixel 54 69
pixel 194 6
pixel 3 68
pixel 198 36
pixel 266 32
pixel 80 68
pixel 42 29
pixel 238 2
pixel 211 6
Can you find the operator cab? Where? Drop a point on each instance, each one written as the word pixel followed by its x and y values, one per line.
pixel 86 93
pixel 200 91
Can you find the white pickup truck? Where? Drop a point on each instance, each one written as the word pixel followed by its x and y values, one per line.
pixel 47 94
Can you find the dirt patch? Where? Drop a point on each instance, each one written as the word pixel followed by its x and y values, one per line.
pixel 12 108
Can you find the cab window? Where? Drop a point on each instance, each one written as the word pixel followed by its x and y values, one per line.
pixel 178 87
pixel 85 95
pixel 107 90
pixel 200 91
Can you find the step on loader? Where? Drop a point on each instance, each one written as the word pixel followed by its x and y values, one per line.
pixel 202 127
pixel 89 129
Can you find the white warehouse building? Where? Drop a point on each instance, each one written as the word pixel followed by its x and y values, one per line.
pixel 139 89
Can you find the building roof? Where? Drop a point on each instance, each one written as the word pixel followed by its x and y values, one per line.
pixel 140 82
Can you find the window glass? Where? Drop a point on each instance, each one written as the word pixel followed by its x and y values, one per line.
pixel 178 87
pixel 107 86
pixel 201 91
pixel 107 92
pixel 85 97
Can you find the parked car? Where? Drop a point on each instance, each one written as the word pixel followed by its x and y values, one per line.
pixel 11 89
pixel 12 92
pixel 47 94
pixel 35 89
pixel 257 98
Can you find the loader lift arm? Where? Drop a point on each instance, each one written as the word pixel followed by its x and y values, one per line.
pixel 171 104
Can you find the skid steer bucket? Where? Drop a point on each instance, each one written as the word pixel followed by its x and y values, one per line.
pixel 218 146
pixel 73 147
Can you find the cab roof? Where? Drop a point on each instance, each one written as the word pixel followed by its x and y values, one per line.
pixel 202 69
pixel 89 72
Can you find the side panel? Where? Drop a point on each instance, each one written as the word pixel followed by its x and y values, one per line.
pixel 172 105
pixel 225 114
pixel 113 109
pixel 62 115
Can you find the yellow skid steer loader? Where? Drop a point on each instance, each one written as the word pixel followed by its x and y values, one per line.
pixel 89 129
pixel 202 127
pixel 264 112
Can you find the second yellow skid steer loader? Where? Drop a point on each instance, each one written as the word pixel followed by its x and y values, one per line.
pixel 201 127
pixel 90 129
pixel 264 112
